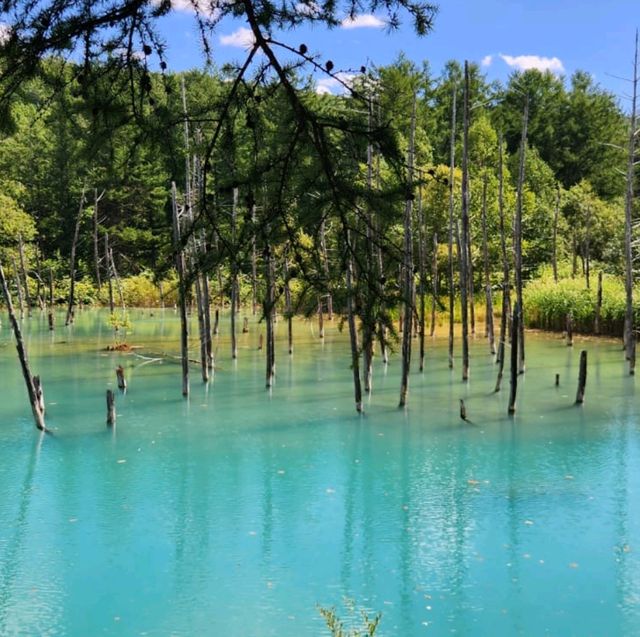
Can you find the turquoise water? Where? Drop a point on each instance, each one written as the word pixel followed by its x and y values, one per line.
pixel 237 512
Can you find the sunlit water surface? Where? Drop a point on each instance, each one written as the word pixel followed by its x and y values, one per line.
pixel 238 511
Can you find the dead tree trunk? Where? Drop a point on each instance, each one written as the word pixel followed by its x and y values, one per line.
pixel 408 278
pixel 452 159
pixel 464 233
pixel 320 318
pixel 16 278
pixel 288 304
pixel 368 315
pixel 111 408
pixel 351 319
pixel 582 378
pixel 23 271
pixel 325 268
pixel 234 277
pixel 487 277
pixel 269 310
pixel 517 233
pixel 471 288
pixel 36 403
pixel 556 213
pixel 587 248
pixel 51 301
pixel 596 323
pixel 122 381
pixel 107 252
pixel 72 268
pixel 506 279
pixel 628 209
pixel 515 366
pixel 182 293
pixel 96 221
pixel 254 264
pixel 569 329
pixel 422 278
pixel 435 283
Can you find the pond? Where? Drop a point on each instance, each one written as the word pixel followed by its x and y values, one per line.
pixel 239 511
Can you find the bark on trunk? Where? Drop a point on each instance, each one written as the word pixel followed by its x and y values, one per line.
pixel 451 213
pixel 72 268
pixel 408 277
pixel 487 278
pixel 351 319
pixel 517 234
pixel 582 378
pixel 182 293
pixel 111 408
pixel 556 213
pixel 596 324
pixel 515 366
pixel 25 278
pixel 464 231
pixel 628 210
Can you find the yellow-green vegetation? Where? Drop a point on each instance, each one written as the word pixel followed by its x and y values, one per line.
pixel 548 302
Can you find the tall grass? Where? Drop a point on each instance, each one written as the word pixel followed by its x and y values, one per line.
pixel 547 304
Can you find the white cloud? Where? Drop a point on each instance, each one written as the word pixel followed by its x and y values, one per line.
pixel 526 62
pixel 486 60
pixel 329 85
pixel 241 38
pixel 364 21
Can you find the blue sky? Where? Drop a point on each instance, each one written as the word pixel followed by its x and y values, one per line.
pixel 563 35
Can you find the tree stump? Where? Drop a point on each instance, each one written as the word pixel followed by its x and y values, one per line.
pixel 582 377
pixel 122 382
pixel 111 408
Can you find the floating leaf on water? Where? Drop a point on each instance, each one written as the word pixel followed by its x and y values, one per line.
pixel 568 477
pixel 573 564
pixel 122 461
pixel 529 522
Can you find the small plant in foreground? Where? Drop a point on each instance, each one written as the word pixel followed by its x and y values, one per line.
pixel 358 623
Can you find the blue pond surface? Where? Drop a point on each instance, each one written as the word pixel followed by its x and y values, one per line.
pixel 237 512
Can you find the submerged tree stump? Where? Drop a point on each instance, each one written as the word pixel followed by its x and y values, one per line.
pixel 569 329
pixel 122 382
pixel 111 408
pixel 582 377
pixel 245 325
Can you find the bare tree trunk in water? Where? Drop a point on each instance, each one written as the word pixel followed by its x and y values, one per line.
pixel 628 213
pixel 422 278
pixel 234 277
pixel 407 269
pixel 51 301
pixel 70 309
pixel 254 265
pixel 487 279
pixel 368 316
pixel 182 293
pixel 325 268
pixel 269 308
pixel 464 233
pixel 515 337
pixel 353 330
pixel 517 234
pixel 32 391
pixel 288 305
pixel 506 283
pixel 452 161
pixel 436 284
